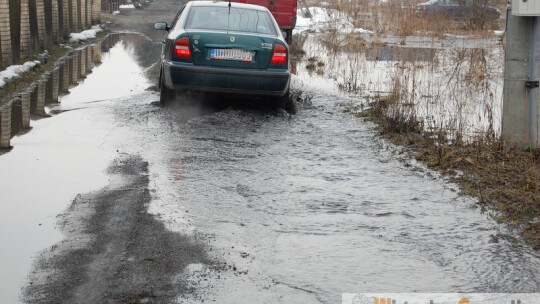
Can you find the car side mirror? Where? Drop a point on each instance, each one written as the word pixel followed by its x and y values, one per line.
pixel 162 26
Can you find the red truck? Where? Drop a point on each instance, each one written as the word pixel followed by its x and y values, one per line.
pixel 284 11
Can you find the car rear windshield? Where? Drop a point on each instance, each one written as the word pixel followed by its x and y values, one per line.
pixel 238 20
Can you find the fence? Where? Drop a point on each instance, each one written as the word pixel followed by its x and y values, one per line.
pixel 29 26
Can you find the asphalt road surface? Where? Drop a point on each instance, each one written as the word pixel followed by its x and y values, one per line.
pixel 220 199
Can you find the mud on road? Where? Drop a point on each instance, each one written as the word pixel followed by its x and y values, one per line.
pixel 114 250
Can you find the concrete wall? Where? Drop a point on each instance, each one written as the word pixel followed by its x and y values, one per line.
pixel 36 24
pixel 5 34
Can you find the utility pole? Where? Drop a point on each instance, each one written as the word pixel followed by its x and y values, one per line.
pixel 520 122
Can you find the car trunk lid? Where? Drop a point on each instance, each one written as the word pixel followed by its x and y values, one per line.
pixel 231 49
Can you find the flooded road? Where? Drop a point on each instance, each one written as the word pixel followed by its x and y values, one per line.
pixel 289 208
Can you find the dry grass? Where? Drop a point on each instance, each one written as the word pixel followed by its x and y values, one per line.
pixel 400 18
pixel 505 180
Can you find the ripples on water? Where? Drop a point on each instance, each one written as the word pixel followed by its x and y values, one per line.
pixel 314 204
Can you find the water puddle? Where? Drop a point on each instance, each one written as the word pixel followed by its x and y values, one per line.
pixel 61 156
pixel 300 208
pixel 454 88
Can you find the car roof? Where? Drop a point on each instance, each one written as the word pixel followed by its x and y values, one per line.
pixel 226 3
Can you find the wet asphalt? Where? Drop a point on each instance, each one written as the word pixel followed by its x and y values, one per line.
pixel 224 199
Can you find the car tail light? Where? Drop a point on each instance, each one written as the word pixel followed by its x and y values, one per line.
pixel 181 49
pixel 279 56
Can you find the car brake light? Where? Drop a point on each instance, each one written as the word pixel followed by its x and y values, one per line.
pixel 181 49
pixel 279 56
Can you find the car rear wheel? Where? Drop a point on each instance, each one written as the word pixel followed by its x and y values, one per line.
pixel 285 102
pixel 289 36
pixel 165 95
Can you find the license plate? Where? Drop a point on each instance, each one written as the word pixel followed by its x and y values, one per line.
pixel 231 54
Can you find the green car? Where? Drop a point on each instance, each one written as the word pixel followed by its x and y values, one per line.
pixel 226 48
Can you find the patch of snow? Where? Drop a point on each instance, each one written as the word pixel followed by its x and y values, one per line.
pixel 498 33
pixel 362 31
pixel 15 71
pixel 326 18
pixel 84 35
pixel 116 13
pixel 128 6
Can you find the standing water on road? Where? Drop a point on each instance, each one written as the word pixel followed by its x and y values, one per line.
pixel 308 206
pixel 299 208
pixel 62 156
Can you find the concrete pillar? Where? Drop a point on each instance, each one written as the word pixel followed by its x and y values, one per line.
pixel 89 64
pixel 55 21
pixel 66 77
pixel 83 63
pixel 5 127
pixel 83 14
pixel 55 84
pixel 88 13
pixel 96 53
pixel 5 35
pixel 74 16
pixel 65 13
pixel 25 29
pixel 25 105
pixel 75 67
pixel 40 11
pixel 515 119
pixel 16 116
pixel 40 103
pixel 96 11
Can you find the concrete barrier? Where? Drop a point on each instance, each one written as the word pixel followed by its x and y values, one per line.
pixel 16 124
pixel 55 22
pixel 5 35
pixel 40 12
pixel 75 68
pixel 96 53
pixel 66 76
pixel 40 102
pixel 55 84
pixel 83 63
pixel 88 13
pixel 82 4
pixel 5 126
pixel 96 12
pixel 25 109
pixel 74 16
pixel 89 56
pixel 65 19
pixel 25 30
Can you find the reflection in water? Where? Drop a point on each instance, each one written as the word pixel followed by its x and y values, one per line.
pixel 119 75
pixel 454 88
pixel 394 53
pixel 63 155
pixel 301 207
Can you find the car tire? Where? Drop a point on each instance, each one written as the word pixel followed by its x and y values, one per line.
pixel 286 103
pixel 165 95
pixel 289 36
